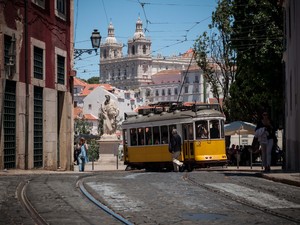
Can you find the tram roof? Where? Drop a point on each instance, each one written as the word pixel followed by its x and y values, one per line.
pixel 175 115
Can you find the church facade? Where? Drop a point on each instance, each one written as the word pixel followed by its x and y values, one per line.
pixel 136 68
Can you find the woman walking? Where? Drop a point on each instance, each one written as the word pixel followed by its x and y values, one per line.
pixel 82 157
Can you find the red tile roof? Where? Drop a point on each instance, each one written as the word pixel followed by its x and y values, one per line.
pixel 77 111
pixel 88 88
pixel 89 117
pixel 107 87
pixel 188 53
pixel 167 76
pixel 78 82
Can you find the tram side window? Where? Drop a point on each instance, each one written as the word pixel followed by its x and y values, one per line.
pixel 156 136
pixel 214 129
pixel 201 129
pixel 164 134
pixel 171 128
pixel 133 137
pixel 125 137
pixel 141 136
pixel 148 135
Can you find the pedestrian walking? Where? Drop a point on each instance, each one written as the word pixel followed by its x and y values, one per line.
pixel 77 149
pixel 265 133
pixel 82 157
pixel 175 149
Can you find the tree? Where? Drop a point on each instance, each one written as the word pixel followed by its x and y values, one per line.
pixel 247 47
pixel 93 151
pixel 257 41
pixel 82 126
pixel 214 55
pixel 93 80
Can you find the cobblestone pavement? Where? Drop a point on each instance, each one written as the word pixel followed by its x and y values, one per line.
pixel 167 198
pixel 164 198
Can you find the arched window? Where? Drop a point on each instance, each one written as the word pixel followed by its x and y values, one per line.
pixel 133 50
pixel 144 49
pixel 104 54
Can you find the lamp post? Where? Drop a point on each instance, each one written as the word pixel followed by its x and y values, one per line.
pixel 95 39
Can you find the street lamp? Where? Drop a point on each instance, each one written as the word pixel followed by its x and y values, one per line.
pixel 95 39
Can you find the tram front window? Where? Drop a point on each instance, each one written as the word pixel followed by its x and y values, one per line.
pixel 201 129
pixel 214 129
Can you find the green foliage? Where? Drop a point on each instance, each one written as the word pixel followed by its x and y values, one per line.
pixel 93 80
pixel 82 126
pixel 257 40
pixel 100 123
pixel 93 151
pixel 246 43
pixel 214 54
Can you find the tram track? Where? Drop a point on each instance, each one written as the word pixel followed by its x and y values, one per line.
pixel 231 197
pixel 23 199
pixel 30 203
pixel 110 212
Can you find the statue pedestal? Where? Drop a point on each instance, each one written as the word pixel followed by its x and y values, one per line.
pixel 109 146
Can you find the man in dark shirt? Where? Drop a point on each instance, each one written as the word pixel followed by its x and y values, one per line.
pixel 175 149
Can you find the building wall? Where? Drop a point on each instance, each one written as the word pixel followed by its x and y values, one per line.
pixel 53 34
pixel 292 83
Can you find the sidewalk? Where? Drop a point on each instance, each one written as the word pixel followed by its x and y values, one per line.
pixel 276 174
pixel 106 162
pixel 110 163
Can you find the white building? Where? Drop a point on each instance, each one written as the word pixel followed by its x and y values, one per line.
pixel 89 97
pixel 167 85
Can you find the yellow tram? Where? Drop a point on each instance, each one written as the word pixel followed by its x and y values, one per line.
pixel 147 135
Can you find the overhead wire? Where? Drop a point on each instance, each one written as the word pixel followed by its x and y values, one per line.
pixel 105 12
pixel 184 33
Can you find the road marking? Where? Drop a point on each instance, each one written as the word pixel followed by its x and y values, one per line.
pixel 254 196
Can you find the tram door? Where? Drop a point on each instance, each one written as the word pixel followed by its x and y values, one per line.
pixel 188 143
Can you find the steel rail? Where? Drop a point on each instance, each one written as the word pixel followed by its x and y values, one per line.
pixel 22 197
pixel 100 205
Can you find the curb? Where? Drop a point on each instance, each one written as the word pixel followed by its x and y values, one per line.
pixel 280 180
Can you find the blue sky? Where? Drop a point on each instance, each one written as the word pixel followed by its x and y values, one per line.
pixel 172 25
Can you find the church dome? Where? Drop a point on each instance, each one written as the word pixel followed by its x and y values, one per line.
pixel 139 34
pixel 111 39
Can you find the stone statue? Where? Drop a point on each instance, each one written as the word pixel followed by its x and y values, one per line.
pixel 110 112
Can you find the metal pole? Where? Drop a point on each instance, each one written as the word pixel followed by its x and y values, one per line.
pixel 117 161
pixel 117 155
pixel 251 158
pixel 237 152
